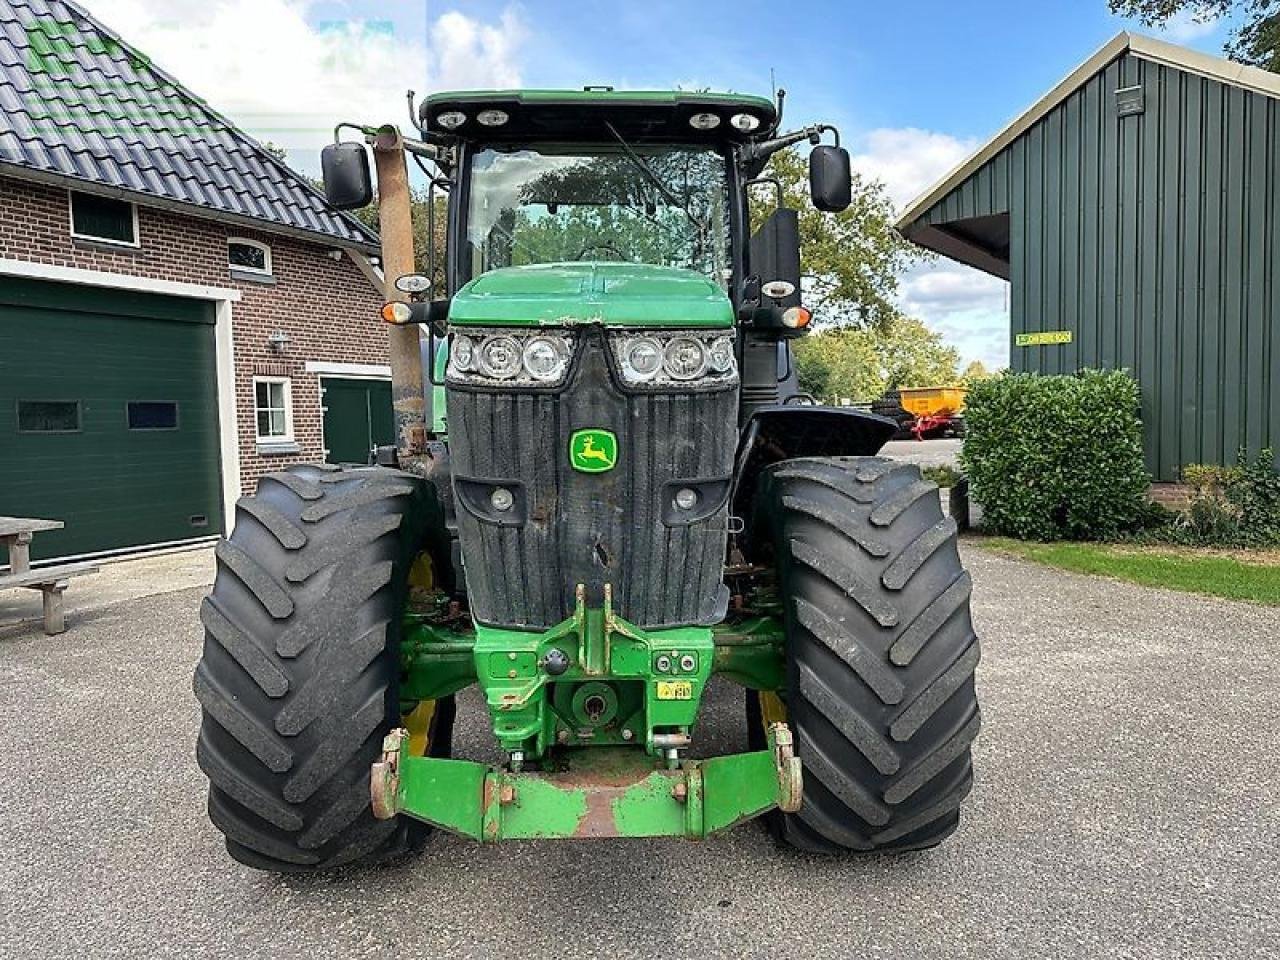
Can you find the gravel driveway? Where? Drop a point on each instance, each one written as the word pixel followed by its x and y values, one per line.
pixel 1125 806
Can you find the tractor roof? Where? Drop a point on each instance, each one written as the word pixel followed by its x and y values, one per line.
pixel 581 115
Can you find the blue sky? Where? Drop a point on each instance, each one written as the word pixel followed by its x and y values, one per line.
pixel 914 85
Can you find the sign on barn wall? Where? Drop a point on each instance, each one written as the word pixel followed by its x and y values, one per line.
pixel 1042 339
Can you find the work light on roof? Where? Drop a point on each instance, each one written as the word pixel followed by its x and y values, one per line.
pixel 704 121
pixel 746 122
pixel 492 118
pixel 451 119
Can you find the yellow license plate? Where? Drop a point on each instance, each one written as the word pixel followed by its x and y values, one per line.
pixel 675 690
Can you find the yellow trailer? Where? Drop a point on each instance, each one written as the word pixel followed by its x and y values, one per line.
pixel 936 409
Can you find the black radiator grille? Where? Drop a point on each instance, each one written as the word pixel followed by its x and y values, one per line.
pixel 592 528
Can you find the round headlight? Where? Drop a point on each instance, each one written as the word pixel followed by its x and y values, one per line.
pixel 745 122
pixel 704 121
pixel 545 358
pixel 464 352
pixel 492 118
pixel 500 357
pixel 721 355
pixel 684 359
pixel 643 358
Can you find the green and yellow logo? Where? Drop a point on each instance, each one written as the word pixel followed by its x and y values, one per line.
pixel 593 451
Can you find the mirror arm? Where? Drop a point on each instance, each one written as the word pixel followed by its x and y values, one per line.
pixel 753 157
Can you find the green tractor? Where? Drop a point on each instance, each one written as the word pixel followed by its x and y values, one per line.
pixel 606 490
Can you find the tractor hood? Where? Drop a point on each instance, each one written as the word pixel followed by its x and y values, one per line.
pixel 615 294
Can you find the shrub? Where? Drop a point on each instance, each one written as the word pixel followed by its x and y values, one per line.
pixel 1056 457
pixel 1231 506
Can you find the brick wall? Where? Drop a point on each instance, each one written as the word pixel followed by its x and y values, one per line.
pixel 326 307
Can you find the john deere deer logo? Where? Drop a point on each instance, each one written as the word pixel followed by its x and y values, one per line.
pixel 593 451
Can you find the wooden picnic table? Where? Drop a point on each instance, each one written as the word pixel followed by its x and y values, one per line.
pixel 16 533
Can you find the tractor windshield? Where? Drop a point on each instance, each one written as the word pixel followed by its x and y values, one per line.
pixel 664 205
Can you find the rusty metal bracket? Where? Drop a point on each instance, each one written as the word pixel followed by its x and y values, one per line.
pixel 790 770
pixel 384 776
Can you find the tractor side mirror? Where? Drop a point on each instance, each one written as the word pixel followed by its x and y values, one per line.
pixel 347 183
pixel 830 178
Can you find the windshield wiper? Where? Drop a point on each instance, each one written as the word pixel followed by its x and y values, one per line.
pixel 639 163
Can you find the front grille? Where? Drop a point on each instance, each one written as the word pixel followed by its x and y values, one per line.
pixel 591 528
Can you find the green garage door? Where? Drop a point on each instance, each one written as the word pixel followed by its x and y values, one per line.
pixel 357 418
pixel 108 416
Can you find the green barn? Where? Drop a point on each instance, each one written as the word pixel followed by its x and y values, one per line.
pixel 1135 211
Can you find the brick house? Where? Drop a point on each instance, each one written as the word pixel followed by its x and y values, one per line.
pixel 179 311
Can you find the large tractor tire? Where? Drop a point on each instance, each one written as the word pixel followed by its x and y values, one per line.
pixel 881 653
pixel 300 672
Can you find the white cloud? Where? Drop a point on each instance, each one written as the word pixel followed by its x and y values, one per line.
pixel 1184 27
pixel 908 161
pixel 967 306
pixel 283 76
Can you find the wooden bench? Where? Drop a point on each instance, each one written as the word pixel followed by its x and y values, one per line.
pixel 16 534
pixel 51 582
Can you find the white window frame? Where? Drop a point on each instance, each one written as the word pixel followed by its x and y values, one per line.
pixel 287 436
pixel 245 241
pixel 71 222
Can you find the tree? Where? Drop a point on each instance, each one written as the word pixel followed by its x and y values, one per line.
pixel 418 211
pixel 975 371
pixel 854 258
pixel 1255 41
pixel 860 363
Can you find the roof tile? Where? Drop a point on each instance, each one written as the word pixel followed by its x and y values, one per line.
pixel 77 101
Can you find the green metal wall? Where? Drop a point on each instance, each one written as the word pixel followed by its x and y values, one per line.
pixel 1154 239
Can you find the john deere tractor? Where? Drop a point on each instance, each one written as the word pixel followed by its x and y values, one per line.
pixel 606 491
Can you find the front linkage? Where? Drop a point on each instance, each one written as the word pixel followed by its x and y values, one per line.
pixel 577 700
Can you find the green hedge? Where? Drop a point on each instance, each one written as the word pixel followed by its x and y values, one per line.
pixel 1056 457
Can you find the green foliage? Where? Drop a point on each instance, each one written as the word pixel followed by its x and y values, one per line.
pixel 1230 506
pixel 1255 39
pixel 975 371
pixel 854 258
pixel 1056 457
pixel 862 363
pixel 941 474
pixel 418 211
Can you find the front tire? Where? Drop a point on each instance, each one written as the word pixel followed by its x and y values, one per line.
pixel 300 672
pixel 881 652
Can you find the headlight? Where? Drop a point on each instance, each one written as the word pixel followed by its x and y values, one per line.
pixel 721 355
pixel 684 359
pixel 511 357
pixel 545 358
pixel 642 359
pixel 500 357
pixel 663 358
pixel 464 352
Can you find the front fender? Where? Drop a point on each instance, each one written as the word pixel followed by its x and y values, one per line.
pixel 785 432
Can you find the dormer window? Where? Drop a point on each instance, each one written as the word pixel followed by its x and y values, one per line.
pixel 248 256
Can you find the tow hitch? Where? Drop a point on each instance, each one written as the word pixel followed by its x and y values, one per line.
pixel 588 792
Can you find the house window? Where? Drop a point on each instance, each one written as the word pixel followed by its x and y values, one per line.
pixel 248 256
pixel 48 416
pixel 273 408
pixel 148 415
pixel 104 219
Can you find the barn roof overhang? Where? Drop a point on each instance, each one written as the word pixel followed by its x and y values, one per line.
pixel 983 242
